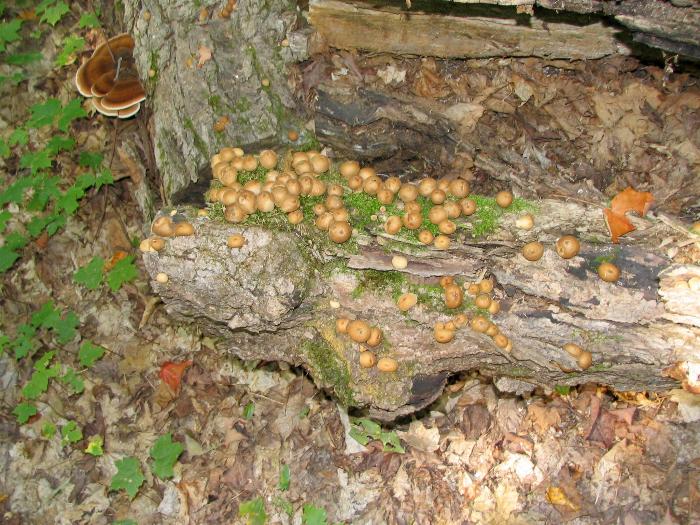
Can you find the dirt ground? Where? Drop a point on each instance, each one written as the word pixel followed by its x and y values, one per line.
pixel 476 456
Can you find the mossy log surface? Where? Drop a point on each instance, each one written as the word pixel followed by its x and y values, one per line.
pixel 277 298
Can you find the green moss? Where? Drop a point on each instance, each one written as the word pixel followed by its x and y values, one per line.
pixel 397 283
pixel 594 338
pixel 330 368
pixel 309 142
pixel 488 213
pixel 198 141
pixel 242 105
pixel 600 367
pixel 216 104
pixel 608 257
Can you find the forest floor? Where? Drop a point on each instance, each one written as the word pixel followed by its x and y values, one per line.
pixel 259 443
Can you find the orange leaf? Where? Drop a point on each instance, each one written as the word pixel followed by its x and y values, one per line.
pixel 617 224
pixel 118 256
pixel 630 199
pixel 171 373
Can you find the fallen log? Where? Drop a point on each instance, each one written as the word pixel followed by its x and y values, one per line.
pixel 277 298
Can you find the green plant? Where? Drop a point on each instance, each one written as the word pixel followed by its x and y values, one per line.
pixel 253 511
pixel 365 430
pixel 128 477
pixel 164 454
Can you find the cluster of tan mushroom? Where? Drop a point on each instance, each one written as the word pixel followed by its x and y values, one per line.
pixel 441 213
pixel 361 332
pixel 164 226
pixel 280 189
pixel 567 247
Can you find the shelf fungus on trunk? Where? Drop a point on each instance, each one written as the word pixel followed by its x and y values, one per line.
pixel 110 79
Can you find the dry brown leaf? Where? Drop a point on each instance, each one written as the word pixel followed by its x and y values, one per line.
pixel 543 417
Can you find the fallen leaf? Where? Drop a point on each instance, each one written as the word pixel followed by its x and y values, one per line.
pixel 630 199
pixel 618 225
pixel 171 373
pixel 204 55
pixel 118 256
pixel 556 496
pixel 420 437
pixel 627 200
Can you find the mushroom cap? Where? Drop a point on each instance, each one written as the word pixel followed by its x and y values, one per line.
pixel 359 331
pixel 568 246
pixel 407 301
pixel 110 76
pixel 608 272
pixel 533 251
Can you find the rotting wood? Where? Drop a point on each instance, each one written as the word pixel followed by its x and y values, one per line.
pixel 268 301
pixel 482 32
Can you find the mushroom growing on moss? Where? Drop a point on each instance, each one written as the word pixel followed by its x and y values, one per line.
pixel 453 296
pixel 183 229
pixel 339 231
pixel 407 301
pixel 163 226
pixel 504 199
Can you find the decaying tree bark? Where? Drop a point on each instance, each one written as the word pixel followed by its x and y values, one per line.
pixel 273 300
pixel 468 30
pixel 213 81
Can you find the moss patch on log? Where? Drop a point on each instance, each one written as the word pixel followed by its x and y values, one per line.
pixel 328 363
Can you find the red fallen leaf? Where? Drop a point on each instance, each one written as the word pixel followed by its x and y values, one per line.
pixel 630 199
pixel 617 224
pixel 171 373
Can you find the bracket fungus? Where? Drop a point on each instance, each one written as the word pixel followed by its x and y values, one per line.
pixel 110 78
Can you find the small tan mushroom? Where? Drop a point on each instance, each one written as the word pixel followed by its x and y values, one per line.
pixel 407 301
pixel 568 246
pixel 393 184
pixel 399 262
pixel 375 336
pixel 608 272
pixel 573 350
pixel 446 280
pixel 162 278
pixel 427 186
pixel 441 242
pixel 459 188
pixel 425 236
pixel 145 246
pixel 320 164
pixel 501 340
pixel 412 207
pixel 468 206
pixel 492 330
pixel 235 241
pixel 437 214
pixel 453 296
pixel 385 196
pixel 525 222
pixel 157 243
pixel 367 359
pixel 460 320
pixel 393 225
pixel 163 226
pixel 341 325
pixel 408 192
pixel 295 217
pixel 235 214
pixel 504 199
pixel 442 333
pixel 447 227
pixel 349 168
pixel 359 331
pixel 480 323
pixel 486 285
pixel 453 209
pixel 494 307
pixel 585 360
pixel 387 365
pixel 367 172
pixel 323 221
pixel 289 204
pixel 483 301
pixel 372 185
pixel 438 196
pixel 412 221
pixel 339 231
pixel 533 251
pixel 268 159
pixel 183 229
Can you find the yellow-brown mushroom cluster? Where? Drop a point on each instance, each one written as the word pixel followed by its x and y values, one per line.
pixel 281 189
pixel 164 226
pixel 363 333
pixel 441 212
pixel 482 291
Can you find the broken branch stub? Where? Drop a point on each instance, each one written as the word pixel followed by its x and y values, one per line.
pixel 279 295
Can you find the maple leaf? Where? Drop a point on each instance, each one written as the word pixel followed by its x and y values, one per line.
pixel 204 55
pixel 627 200
pixel 165 452
pixel 630 199
pixel 618 225
pixel 171 373
pixel 128 477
